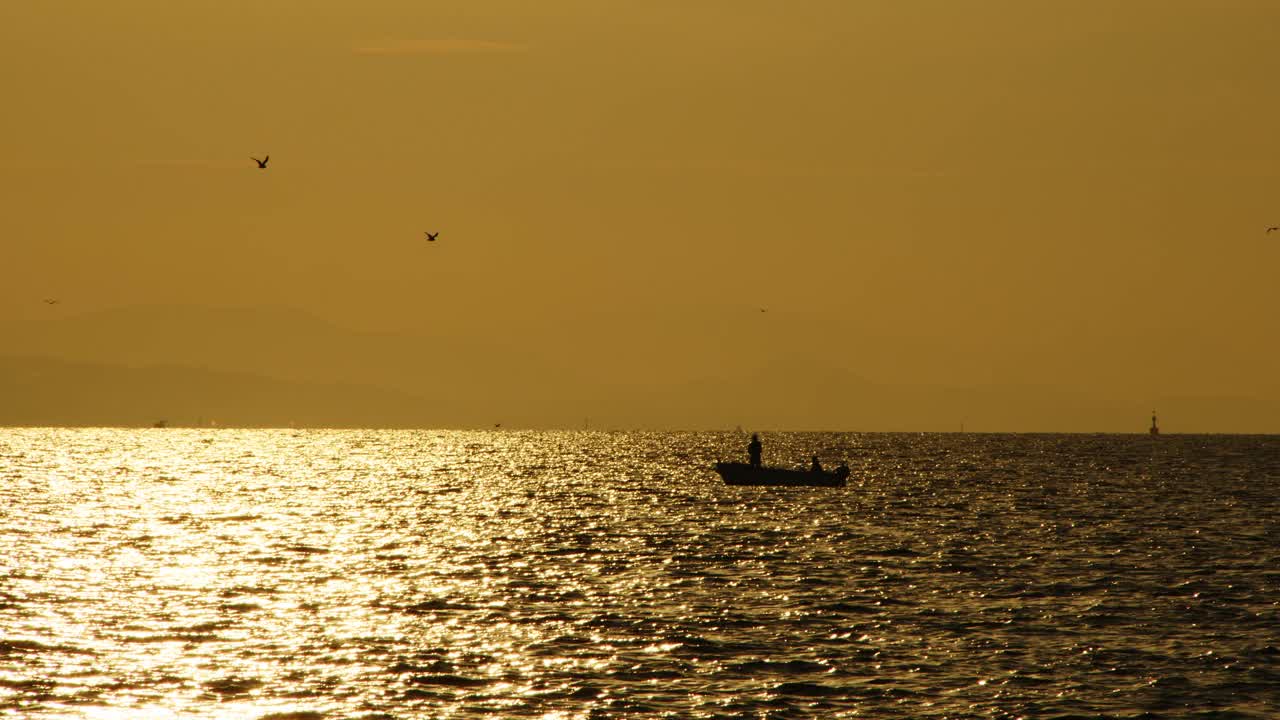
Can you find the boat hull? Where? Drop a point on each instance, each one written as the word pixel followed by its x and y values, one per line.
pixel 744 474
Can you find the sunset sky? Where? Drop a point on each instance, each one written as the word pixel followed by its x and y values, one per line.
pixel 1067 194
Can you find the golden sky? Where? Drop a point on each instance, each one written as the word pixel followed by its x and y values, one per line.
pixel 1061 193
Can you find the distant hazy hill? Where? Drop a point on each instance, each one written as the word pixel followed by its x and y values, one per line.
pixel 467 379
pixel 273 367
pixel 40 391
pixel 278 342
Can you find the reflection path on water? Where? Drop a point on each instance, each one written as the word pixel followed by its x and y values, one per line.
pixel 309 574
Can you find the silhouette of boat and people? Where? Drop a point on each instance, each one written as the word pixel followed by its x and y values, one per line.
pixel 754 472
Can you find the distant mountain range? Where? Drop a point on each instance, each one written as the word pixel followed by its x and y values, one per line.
pixel 251 367
pixel 40 391
pixel 272 367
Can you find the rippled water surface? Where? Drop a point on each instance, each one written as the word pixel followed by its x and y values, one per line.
pixel 384 574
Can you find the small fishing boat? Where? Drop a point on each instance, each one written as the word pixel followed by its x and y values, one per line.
pixel 744 474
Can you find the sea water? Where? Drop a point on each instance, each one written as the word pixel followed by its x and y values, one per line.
pixel 438 574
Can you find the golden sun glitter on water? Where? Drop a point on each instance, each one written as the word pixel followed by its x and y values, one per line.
pixel 321 574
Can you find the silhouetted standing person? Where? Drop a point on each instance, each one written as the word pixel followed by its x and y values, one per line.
pixel 753 450
pixel 816 466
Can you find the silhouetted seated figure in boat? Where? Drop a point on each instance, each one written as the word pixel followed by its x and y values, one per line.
pixel 753 450
pixel 816 466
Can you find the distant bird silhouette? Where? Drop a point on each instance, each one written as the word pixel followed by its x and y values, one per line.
pixel 51 301
pixel 431 237
pixel 497 425
pixel 764 309
pixel 262 164
pixel 1272 228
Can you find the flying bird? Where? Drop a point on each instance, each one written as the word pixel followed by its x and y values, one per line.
pixel 51 301
pixel 1272 228
pixel 262 164
pixel 431 237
